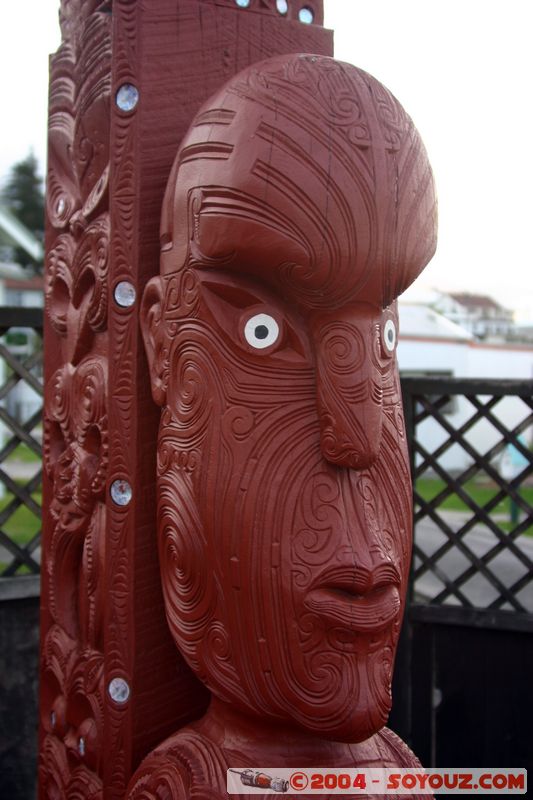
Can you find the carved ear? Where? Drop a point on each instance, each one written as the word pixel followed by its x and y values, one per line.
pixel 153 335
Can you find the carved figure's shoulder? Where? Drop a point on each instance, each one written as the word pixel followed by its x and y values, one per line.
pixel 186 765
pixel 395 753
pixel 399 753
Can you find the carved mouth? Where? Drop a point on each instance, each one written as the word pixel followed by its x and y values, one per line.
pixel 361 602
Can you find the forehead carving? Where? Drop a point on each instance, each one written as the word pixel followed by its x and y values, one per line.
pixel 308 174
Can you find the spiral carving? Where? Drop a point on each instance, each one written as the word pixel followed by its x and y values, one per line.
pixel 190 599
pixel 344 347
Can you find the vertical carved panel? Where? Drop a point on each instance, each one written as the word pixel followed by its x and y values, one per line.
pixel 124 211
pixel 76 422
pixel 103 621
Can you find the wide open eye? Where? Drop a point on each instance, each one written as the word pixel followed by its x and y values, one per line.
pixel 389 336
pixel 261 331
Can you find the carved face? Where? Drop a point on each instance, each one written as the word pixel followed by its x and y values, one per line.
pixel 284 490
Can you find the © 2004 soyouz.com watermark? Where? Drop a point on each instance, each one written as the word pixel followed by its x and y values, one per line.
pixel 308 780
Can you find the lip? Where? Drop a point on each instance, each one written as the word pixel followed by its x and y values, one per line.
pixel 357 600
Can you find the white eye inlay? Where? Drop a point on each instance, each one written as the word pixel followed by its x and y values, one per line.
pixel 261 331
pixel 389 335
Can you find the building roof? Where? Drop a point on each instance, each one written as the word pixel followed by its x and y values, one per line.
pixel 33 283
pixel 17 234
pixel 476 301
pixel 421 322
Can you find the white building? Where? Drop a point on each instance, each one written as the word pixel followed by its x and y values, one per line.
pixel 481 315
pixel 19 287
pixel 14 234
pixel 431 345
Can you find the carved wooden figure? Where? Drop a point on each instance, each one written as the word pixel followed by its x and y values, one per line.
pixel 126 82
pixel 300 205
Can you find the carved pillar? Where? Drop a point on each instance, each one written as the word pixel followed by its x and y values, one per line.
pixel 125 84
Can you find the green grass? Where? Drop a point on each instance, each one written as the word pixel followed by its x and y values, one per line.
pixel 479 493
pixel 25 454
pixel 21 526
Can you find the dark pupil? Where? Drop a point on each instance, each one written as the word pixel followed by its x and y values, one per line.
pixel 261 332
pixel 390 335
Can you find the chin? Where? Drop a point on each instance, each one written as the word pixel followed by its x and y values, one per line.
pixel 358 725
pixel 363 725
pixel 358 703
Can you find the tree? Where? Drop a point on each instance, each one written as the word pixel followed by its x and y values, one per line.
pixel 24 197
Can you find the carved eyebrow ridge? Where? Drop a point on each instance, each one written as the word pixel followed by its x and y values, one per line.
pixel 219 151
pixel 215 116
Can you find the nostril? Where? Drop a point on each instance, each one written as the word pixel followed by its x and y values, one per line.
pixel 335 452
pixel 356 452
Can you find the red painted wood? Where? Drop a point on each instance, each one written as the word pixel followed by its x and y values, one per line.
pixel 299 206
pixel 102 610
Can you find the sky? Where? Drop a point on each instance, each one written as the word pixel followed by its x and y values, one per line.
pixel 461 68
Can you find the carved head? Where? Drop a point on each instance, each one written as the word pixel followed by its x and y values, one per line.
pixel 300 205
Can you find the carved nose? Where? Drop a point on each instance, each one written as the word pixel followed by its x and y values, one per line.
pixel 350 437
pixel 349 390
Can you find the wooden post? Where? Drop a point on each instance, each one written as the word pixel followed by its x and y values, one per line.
pixel 125 84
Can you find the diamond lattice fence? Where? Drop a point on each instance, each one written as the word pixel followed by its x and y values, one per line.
pixel 21 400
pixel 472 462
